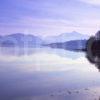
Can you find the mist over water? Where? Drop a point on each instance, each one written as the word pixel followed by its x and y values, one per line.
pixel 46 74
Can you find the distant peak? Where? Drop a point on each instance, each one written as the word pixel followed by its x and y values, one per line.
pixel 74 32
pixel 14 34
pixel 18 34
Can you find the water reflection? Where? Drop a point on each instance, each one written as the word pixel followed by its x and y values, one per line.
pixel 15 51
pixel 61 73
pixel 93 50
pixel 42 59
pixel 91 47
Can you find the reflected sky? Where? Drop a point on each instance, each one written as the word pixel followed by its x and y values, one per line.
pixel 44 59
pixel 46 73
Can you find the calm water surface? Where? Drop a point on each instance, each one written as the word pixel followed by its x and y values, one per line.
pixel 47 74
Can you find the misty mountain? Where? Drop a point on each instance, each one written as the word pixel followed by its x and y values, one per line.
pixel 66 37
pixel 70 45
pixel 70 41
pixel 20 40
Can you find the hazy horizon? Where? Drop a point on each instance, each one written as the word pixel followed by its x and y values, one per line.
pixel 42 35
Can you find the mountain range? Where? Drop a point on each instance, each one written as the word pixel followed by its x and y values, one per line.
pixel 66 37
pixel 73 45
pixel 20 40
pixel 68 40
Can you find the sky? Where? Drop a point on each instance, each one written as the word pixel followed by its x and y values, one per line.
pixel 49 17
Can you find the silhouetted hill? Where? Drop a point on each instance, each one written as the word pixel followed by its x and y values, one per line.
pixel 70 45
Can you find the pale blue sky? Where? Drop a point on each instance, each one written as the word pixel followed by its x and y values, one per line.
pixel 49 17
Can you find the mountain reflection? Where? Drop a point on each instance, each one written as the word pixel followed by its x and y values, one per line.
pixel 91 47
pixel 15 51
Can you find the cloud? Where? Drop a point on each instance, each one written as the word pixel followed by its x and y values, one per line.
pixel 93 2
pixel 47 17
pixel 49 26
